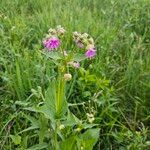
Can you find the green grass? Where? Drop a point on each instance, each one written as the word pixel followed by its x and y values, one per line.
pixel 121 30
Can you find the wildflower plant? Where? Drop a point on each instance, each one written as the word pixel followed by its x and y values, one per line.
pixel 64 124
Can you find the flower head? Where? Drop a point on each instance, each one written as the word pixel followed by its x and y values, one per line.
pixel 90 53
pixel 67 77
pixel 51 43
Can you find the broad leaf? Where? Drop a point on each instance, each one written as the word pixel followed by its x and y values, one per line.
pixel 55 98
pixel 79 57
pixel 71 119
pixel 16 139
pixel 68 144
pixel 54 55
pixel 88 139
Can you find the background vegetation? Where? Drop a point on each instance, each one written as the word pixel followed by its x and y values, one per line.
pixel 121 29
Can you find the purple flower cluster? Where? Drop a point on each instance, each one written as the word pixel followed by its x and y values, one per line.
pixel 51 43
pixel 83 41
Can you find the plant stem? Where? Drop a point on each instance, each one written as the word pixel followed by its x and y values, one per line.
pixel 55 138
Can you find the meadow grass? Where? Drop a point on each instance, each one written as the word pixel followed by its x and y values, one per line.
pixel 121 30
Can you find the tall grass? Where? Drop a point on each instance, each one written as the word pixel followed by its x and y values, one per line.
pixel 122 34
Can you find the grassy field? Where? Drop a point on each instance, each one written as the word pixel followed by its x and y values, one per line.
pixel 121 30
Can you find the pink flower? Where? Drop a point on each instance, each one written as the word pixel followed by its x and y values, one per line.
pixel 90 53
pixel 51 43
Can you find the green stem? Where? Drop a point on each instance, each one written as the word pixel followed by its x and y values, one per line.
pixel 55 138
pixel 60 95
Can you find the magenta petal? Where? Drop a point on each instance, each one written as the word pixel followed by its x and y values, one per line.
pixel 51 43
pixel 90 53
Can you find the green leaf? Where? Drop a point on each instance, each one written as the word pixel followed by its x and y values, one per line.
pixel 55 98
pixel 54 55
pixel 33 120
pixel 43 128
pixel 42 109
pixel 33 109
pixel 29 128
pixel 69 144
pixel 21 103
pixel 38 146
pixel 16 139
pixel 88 139
pixel 91 133
pixel 87 126
pixel 79 57
pixel 50 97
pixel 71 119
pixel 86 94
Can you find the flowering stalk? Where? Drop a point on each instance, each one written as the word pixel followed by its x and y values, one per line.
pixel 64 61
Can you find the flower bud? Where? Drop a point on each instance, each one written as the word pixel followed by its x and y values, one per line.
pixel 90 46
pixel 61 68
pixel 75 34
pixel 13 27
pixel 5 17
pixel 52 31
pixel 90 117
pixel 67 76
pixel 60 30
pixel 82 148
pixel 85 35
pixel 78 129
pixel 70 63
pixel 91 41
pixel 61 127
pixel 58 27
pixel 91 66
pixel 91 120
